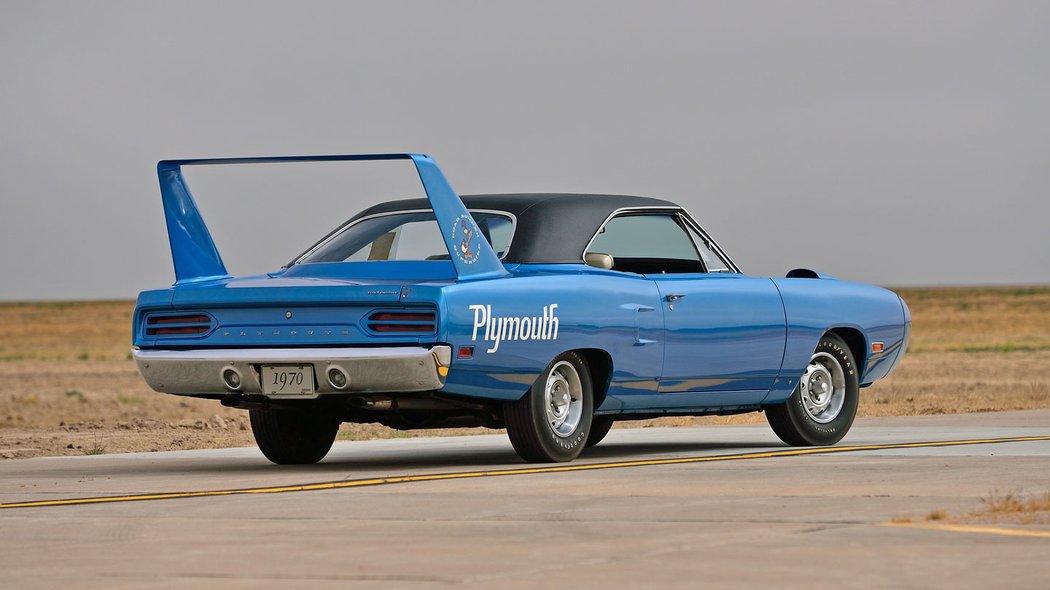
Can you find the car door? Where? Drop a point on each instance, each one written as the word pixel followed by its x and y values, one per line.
pixel 724 332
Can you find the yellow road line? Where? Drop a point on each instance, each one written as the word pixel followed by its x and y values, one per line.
pixel 965 528
pixel 360 483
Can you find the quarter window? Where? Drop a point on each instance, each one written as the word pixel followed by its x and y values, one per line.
pixel 713 262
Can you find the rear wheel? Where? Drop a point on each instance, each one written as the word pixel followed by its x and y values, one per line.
pixel 551 422
pixel 599 428
pixel 288 437
pixel 822 408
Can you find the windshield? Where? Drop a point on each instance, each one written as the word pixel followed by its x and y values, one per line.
pixel 404 236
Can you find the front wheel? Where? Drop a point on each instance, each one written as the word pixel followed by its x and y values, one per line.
pixel 551 422
pixel 821 410
pixel 287 437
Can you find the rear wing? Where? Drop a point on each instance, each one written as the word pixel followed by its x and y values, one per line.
pixel 196 258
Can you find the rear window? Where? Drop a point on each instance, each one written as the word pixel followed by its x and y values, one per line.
pixel 404 236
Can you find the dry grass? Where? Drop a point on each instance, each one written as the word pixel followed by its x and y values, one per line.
pixel 972 350
pixel 997 507
pixel 68 385
pixel 65 331
pixel 936 515
pixel 979 320
pixel 1014 503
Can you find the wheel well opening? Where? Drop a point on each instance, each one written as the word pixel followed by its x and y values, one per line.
pixel 854 339
pixel 599 365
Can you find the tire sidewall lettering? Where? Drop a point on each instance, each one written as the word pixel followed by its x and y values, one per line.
pixel 578 438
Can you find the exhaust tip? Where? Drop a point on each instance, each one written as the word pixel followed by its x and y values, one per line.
pixel 338 378
pixel 232 378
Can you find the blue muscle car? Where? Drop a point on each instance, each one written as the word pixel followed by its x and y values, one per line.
pixel 550 315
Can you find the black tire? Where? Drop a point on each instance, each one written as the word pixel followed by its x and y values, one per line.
pixel 538 440
pixel 599 428
pixel 288 437
pixel 797 426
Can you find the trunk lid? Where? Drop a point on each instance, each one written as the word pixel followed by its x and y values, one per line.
pixel 311 305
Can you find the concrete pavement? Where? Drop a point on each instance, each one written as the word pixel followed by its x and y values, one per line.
pixel 784 521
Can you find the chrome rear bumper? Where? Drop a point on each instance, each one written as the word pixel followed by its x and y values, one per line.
pixel 370 370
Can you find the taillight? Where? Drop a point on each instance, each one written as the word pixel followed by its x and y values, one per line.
pixel 177 325
pixel 418 322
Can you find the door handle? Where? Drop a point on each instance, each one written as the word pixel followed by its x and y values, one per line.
pixel 637 307
pixel 674 297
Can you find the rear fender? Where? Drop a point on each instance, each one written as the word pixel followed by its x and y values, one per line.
pixel 514 327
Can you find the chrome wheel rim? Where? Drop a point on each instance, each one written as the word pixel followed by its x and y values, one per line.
pixel 823 388
pixel 563 399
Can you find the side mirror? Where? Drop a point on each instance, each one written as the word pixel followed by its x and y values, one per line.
pixel 599 260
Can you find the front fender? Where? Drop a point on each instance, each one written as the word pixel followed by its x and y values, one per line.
pixel 813 307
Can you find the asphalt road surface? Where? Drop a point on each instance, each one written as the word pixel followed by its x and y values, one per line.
pixel 712 507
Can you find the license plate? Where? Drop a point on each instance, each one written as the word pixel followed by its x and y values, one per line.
pixel 288 379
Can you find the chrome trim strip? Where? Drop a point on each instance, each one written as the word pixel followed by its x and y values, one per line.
pixel 283 355
pixel 718 249
pixel 662 209
pixel 346 226
pixel 371 370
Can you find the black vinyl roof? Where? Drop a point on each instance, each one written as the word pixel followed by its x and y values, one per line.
pixel 551 227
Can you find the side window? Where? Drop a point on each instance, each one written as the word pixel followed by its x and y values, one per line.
pixel 712 261
pixel 647 244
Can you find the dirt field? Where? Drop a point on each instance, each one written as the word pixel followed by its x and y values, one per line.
pixel 68 385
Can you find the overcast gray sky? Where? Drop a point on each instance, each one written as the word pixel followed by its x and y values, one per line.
pixel 898 143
